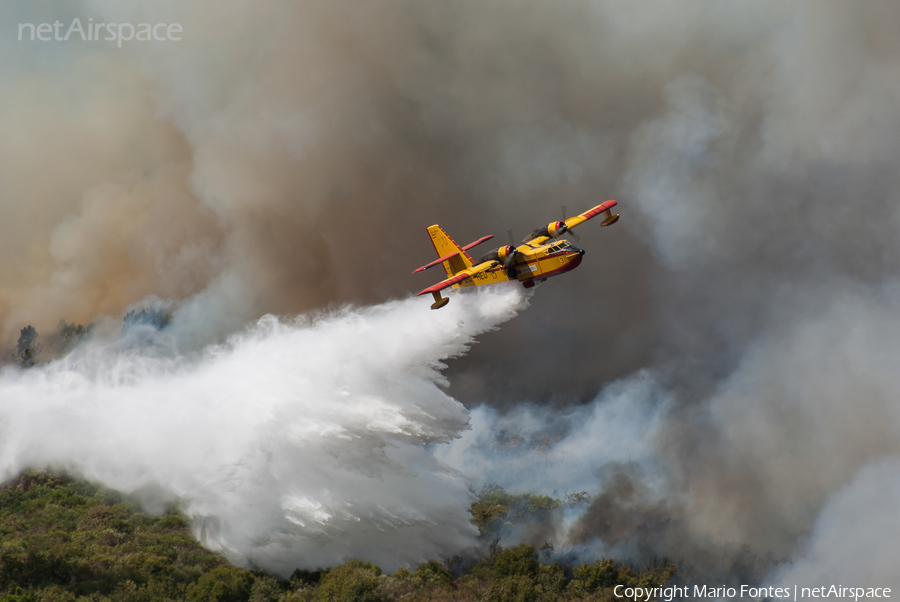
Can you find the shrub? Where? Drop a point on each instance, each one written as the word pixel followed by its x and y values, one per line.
pixel 588 578
pixel 35 568
pixel 432 574
pixel 497 513
pixel 551 579
pixel 17 596
pixel 354 581
pixel 222 584
pixel 518 561
pixel 512 589
pixel 265 589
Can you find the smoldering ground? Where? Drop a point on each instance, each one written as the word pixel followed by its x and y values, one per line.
pixel 283 157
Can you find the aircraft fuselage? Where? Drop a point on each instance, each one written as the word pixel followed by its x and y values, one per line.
pixel 532 263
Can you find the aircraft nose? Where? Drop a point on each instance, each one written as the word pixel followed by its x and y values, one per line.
pixel 581 251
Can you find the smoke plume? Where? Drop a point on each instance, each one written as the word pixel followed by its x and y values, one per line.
pixel 718 372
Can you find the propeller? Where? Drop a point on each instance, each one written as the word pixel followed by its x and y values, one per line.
pixel 571 232
pixel 508 255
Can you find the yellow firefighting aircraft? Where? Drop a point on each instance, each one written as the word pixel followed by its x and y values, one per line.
pixel 541 255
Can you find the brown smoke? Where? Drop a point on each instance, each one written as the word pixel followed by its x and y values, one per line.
pixel 286 156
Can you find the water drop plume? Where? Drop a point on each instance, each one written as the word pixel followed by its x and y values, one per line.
pixel 298 443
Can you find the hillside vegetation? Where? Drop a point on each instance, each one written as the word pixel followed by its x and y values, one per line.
pixel 63 540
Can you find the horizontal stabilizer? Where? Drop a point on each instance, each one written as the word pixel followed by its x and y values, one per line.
pixel 454 253
pixel 436 261
pixel 477 242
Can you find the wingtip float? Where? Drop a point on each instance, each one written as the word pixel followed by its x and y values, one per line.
pixel 542 254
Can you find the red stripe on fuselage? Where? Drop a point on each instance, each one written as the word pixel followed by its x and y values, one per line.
pixel 570 265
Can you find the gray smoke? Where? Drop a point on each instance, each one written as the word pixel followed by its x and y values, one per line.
pixel 285 157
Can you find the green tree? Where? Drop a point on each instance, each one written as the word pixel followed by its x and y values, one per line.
pixel 518 561
pixel 354 581
pixel 551 580
pixel 497 513
pixel 223 584
pixel 590 578
pixel 432 574
pixel 17 596
pixel 512 589
pixel 70 335
pixel 157 317
pixel 27 347
pixel 265 589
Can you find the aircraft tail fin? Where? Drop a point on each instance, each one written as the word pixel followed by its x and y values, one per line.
pixel 457 259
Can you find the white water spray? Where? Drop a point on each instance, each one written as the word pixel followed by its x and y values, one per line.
pixel 295 444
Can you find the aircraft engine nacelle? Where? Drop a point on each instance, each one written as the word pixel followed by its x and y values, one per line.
pixel 555 229
pixel 506 254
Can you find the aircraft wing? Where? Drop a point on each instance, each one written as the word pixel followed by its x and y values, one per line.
pixel 601 208
pixel 459 277
pixel 543 234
